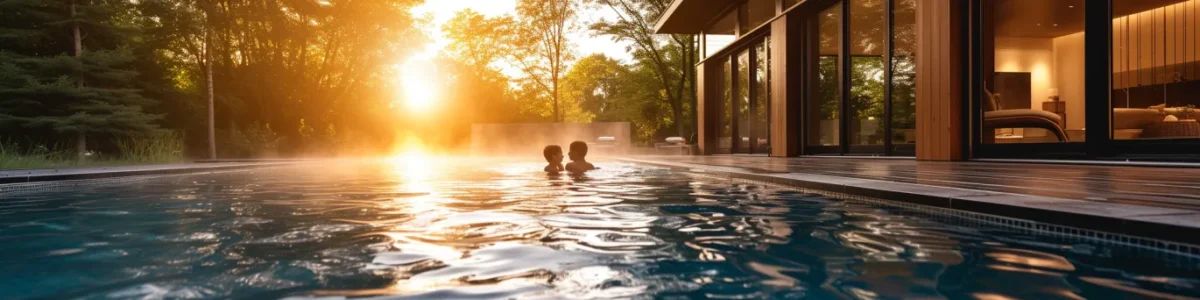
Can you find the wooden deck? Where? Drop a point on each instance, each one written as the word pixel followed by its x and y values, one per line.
pixel 1146 186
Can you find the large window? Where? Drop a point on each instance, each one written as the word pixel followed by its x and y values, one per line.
pixel 1156 70
pixel 1033 72
pixel 720 34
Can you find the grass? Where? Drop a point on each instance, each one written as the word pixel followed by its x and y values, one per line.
pixel 164 147
pixel 16 156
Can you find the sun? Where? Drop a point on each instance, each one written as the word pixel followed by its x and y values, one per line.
pixel 418 78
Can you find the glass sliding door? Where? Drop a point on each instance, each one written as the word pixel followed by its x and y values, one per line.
pixel 761 108
pixel 1156 70
pixel 868 32
pixel 862 86
pixel 742 105
pixel 824 98
pixel 1033 72
pixel 725 125
pixel 903 89
pixel 1105 79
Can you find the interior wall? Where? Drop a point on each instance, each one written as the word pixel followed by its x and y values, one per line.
pixel 1069 72
pixel 1028 55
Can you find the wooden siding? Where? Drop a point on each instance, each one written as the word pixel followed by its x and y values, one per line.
pixel 940 80
pixel 786 86
pixel 702 108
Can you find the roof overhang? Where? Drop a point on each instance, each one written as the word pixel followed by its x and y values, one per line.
pixel 690 16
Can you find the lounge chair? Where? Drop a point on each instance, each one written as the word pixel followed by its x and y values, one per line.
pixel 995 117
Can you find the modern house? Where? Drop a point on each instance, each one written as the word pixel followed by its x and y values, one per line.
pixel 946 79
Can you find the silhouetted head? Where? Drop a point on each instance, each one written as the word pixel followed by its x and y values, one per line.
pixel 553 154
pixel 578 150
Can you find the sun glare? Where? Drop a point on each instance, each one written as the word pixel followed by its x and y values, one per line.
pixel 419 81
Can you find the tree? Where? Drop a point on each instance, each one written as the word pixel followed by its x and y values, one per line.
pixel 274 62
pixel 597 85
pixel 66 69
pixel 541 47
pixel 671 57
pixel 478 41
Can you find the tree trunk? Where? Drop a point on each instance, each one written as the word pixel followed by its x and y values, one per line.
pixel 554 81
pixel 208 83
pixel 557 111
pixel 81 139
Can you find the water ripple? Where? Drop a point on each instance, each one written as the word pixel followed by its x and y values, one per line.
pixel 432 228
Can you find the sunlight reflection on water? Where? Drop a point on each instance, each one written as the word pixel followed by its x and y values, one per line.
pixel 433 227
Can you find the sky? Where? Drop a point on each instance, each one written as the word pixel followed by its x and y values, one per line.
pixel 441 11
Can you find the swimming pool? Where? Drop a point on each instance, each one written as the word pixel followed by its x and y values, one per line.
pixel 424 227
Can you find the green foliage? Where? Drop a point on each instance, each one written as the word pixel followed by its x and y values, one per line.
pixel 46 90
pixel 258 140
pixel 597 86
pixel 323 142
pixel 15 155
pixel 670 59
pixel 156 147
pixel 534 41
pixel 328 63
pixel 313 77
pixel 830 103
pixel 655 92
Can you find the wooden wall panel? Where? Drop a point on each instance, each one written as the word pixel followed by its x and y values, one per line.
pixel 940 80
pixel 786 86
pixel 703 110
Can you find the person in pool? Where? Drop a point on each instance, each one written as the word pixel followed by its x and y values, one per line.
pixel 554 156
pixel 578 162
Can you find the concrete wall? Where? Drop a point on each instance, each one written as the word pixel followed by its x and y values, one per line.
pixel 530 138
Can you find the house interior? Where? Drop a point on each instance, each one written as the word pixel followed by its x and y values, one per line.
pixel 1037 75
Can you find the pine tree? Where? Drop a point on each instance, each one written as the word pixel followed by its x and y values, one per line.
pixel 66 70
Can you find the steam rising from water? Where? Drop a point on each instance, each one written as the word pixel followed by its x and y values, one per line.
pixel 529 138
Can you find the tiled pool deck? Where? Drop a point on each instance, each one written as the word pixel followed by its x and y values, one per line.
pixel 1153 202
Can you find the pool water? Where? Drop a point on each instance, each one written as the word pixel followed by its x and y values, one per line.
pixel 420 227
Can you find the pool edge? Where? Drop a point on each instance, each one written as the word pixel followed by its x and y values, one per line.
pixel 1155 223
pixel 49 175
